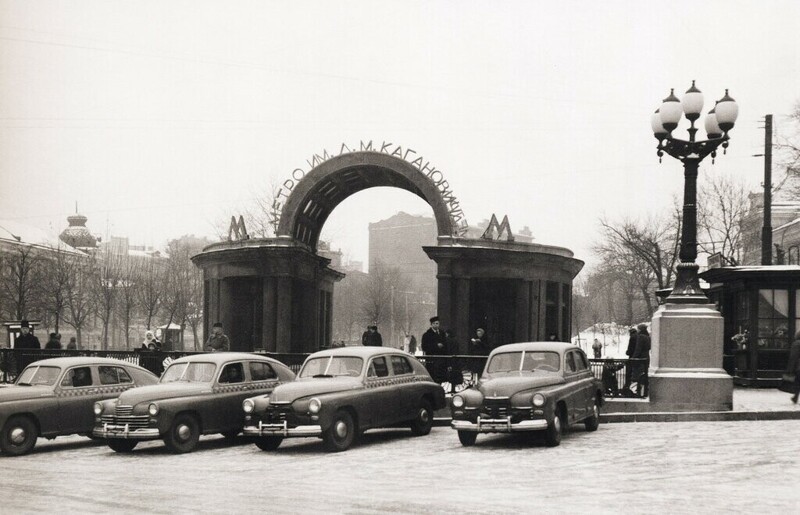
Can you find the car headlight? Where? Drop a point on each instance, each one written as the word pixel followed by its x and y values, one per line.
pixel 248 405
pixel 153 409
pixel 98 408
pixel 314 405
pixel 458 401
pixel 538 400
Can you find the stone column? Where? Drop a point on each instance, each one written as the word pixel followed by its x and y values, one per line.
pixel 269 314
pixel 225 305
pixel 686 360
pixel 460 309
pixel 444 300
pixel 283 315
pixel 522 316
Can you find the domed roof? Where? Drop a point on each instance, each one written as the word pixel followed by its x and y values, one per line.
pixel 77 235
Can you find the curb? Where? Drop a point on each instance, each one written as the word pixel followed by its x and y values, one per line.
pixel 700 416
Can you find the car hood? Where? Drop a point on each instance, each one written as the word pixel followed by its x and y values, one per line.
pixel 17 393
pixel 157 392
pixel 507 385
pixel 300 388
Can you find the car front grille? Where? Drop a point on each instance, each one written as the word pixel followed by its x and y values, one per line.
pixel 495 407
pixel 276 414
pixel 123 410
pixel 133 421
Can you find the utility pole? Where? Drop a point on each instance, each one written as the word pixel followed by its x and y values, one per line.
pixel 766 231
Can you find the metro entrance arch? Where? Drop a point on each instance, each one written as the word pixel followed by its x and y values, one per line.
pixel 275 294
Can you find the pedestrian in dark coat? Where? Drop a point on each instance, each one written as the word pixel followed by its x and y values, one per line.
pixel 793 366
pixel 454 374
pixel 371 337
pixel 632 334
pixel 26 340
pixel 434 344
pixel 480 344
pixel 53 342
pixel 642 352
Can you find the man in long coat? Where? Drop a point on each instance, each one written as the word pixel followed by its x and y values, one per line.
pixel 434 344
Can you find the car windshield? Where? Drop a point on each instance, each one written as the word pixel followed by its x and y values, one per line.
pixel 34 375
pixel 196 372
pixel 331 366
pixel 525 361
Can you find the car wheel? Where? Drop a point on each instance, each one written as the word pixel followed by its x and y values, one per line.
pixel 555 429
pixel 423 422
pixel 467 438
pixel 183 435
pixel 340 434
pixel 19 436
pixel 268 443
pixel 123 446
pixel 593 421
pixel 230 435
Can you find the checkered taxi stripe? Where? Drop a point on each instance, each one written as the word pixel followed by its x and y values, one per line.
pixel 93 390
pixel 246 387
pixel 391 381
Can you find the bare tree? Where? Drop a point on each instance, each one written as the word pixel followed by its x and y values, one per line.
pixel 106 287
pixel 78 290
pixel 18 280
pixel 150 288
pixel 377 294
pixel 346 306
pixel 648 249
pixel 127 295
pixel 722 205
pixel 183 299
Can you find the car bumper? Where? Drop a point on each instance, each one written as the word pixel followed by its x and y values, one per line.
pixel 283 430
pixel 124 432
pixel 498 425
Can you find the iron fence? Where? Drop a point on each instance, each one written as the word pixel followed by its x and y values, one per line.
pixel 454 372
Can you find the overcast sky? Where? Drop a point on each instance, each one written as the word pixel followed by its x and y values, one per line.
pixel 164 118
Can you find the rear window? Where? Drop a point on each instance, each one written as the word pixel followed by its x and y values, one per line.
pixel 400 365
pixel 113 375
pixel 378 368
pixel 261 371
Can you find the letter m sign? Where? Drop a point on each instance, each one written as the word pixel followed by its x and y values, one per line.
pixel 237 231
pixel 495 230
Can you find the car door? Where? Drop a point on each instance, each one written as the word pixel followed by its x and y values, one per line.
pixel 231 389
pixel 406 389
pixel 585 382
pixel 77 393
pixel 575 404
pixel 379 392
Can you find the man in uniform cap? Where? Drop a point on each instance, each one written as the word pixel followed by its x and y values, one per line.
pixel 217 341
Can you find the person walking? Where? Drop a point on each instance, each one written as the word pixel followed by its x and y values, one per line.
pixel 371 337
pixel 73 343
pixel 642 353
pixel 217 342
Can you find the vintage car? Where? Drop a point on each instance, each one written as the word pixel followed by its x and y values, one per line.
pixel 340 393
pixel 54 397
pixel 537 386
pixel 199 394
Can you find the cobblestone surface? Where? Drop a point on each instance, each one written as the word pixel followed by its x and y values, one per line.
pixel 687 467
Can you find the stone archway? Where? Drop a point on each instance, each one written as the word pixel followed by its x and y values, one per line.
pixel 276 293
pixel 330 183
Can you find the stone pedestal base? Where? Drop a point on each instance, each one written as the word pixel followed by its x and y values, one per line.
pixel 686 360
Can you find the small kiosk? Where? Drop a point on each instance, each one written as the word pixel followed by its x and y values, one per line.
pixel 761 308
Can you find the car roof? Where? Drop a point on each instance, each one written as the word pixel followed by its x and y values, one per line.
pixel 224 357
pixel 359 351
pixel 559 347
pixel 82 360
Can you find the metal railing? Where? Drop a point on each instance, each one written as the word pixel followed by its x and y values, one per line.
pixel 454 372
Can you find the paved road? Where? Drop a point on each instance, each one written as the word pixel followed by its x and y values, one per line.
pixel 689 467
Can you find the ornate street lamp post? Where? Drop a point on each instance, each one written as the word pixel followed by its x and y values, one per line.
pixel 718 122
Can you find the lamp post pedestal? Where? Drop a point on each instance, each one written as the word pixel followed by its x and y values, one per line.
pixel 686 359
